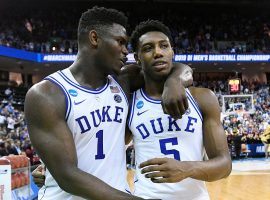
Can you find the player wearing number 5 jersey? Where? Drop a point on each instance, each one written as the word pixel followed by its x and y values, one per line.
pixel 157 135
pixel 169 152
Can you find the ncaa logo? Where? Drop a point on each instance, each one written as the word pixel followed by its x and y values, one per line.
pixel 139 105
pixel 117 98
pixel 73 93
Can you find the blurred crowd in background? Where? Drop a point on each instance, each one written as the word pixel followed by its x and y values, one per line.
pixel 194 30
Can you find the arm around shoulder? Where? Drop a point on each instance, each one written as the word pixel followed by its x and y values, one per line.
pixel 133 76
pixel 174 99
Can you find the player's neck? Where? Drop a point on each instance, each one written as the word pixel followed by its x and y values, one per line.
pixel 87 74
pixel 154 89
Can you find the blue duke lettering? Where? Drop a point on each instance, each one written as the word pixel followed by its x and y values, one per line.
pixel 191 121
pixel 172 122
pixel 96 117
pixel 156 126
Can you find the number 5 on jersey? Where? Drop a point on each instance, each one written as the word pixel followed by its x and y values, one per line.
pixel 165 151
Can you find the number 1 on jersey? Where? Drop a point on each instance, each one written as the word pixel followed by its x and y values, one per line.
pixel 165 151
pixel 100 155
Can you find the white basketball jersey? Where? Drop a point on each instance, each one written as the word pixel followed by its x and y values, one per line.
pixel 97 120
pixel 157 135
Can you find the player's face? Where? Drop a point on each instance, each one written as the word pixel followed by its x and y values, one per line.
pixel 155 55
pixel 113 51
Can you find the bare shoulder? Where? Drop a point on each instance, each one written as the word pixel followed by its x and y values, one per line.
pixel 201 92
pixel 44 96
pixel 44 91
pixel 205 97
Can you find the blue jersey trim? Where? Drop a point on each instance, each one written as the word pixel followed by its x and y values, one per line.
pixel 135 180
pixel 132 106
pixel 128 191
pixel 82 88
pixel 149 99
pixel 198 107
pixel 195 105
pixel 121 89
pixel 194 100
pixel 67 97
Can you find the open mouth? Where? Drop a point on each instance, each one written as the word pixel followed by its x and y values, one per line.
pixel 160 65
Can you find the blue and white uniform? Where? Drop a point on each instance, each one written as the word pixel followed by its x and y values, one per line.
pixel 96 119
pixel 156 135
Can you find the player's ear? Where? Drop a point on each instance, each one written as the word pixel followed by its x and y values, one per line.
pixel 93 38
pixel 137 59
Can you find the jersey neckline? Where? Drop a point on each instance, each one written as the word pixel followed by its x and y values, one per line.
pixel 68 76
pixel 148 98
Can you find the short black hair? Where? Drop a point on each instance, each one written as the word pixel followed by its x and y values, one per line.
pixel 98 18
pixel 148 26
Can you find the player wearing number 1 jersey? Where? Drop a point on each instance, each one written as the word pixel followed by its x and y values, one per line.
pixel 76 117
pixel 96 119
pixel 169 152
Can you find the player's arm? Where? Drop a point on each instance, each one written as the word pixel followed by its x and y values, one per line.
pixel 128 136
pixel 174 100
pixel 133 76
pixel 128 133
pixel 219 164
pixel 53 141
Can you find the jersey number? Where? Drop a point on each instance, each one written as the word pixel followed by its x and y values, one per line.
pixel 165 151
pixel 162 142
pixel 100 155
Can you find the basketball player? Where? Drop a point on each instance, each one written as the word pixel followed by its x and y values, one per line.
pixel 169 152
pixel 76 117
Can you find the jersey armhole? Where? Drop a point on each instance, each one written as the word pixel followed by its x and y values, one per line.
pixel 131 109
pixel 67 97
pixel 194 104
